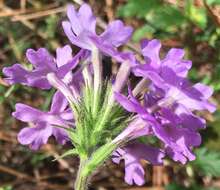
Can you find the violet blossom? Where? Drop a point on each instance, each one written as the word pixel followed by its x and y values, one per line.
pixel 44 124
pixel 81 31
pixel 43 63
pixel 132 155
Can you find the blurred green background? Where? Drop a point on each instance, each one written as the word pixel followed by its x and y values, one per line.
pixel 190 24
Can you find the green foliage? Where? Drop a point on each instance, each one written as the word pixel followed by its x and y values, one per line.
pixel 174 186
pixel 195 14
pixel 163 19
pixel 207 162
pixel 6 188
pixel 213 2
pixel 139 8
pixel 167 18
pixel 51 26
pixel 158 16
pixel 37 159
pixel 145 30
pixel 70 152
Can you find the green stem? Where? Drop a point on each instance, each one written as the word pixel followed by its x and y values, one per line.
pixel 88 166
pixel 81 180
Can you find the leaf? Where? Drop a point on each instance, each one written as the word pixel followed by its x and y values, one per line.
pixel 145 31
pixel 174 186
pixel 10 91
pixel 51 25
pixel 166 18
pixel 197 15
pixel 6 188
pixel 213 2
pixel 207 162
pixel 138 8
pixel 158 14
pixel 73 137
pixel 67 153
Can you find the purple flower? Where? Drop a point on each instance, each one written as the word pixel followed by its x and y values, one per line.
pixel 169 75
pixel 81 31
pixel 45 124
pixel 178 138
pixel 172 129
pixel 43 63
pixel 173 60
pixel 192 97
pixel 132 155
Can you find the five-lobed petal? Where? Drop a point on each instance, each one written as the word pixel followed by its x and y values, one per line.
pixel 45 124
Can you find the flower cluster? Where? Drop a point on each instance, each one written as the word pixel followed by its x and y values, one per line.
pixel 103 118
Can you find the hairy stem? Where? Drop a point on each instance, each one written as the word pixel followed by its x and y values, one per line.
pixel 81 180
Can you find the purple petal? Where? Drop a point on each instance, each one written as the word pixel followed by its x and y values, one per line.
pixel 206 91
pixel 15 74
pixel 41 59
pixel 175 54
pixel 68 30
pixel 151 51
pixel 191 99
pixel 81 26
pixel 148 72
pixel 193 122
pixel 87 18
pixel 143 151
pixel 37 78
pixel 83 20
pixel 28 114
pixel 64 55
pixel 67 115
pixel 144 43
pixel 116 33
pixel 174 61
pixel 59 103
pixel 82 40
pixel 73 62
pixel 35 136
pixel 76 24
pixel 132 155
pixel 179 140
pixel 60 135
pixel 127 104
pixel 134 173
pixel 117 155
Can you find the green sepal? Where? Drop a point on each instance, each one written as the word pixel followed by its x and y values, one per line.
pixel 73 137
pixel 70 152
pixel 99 157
